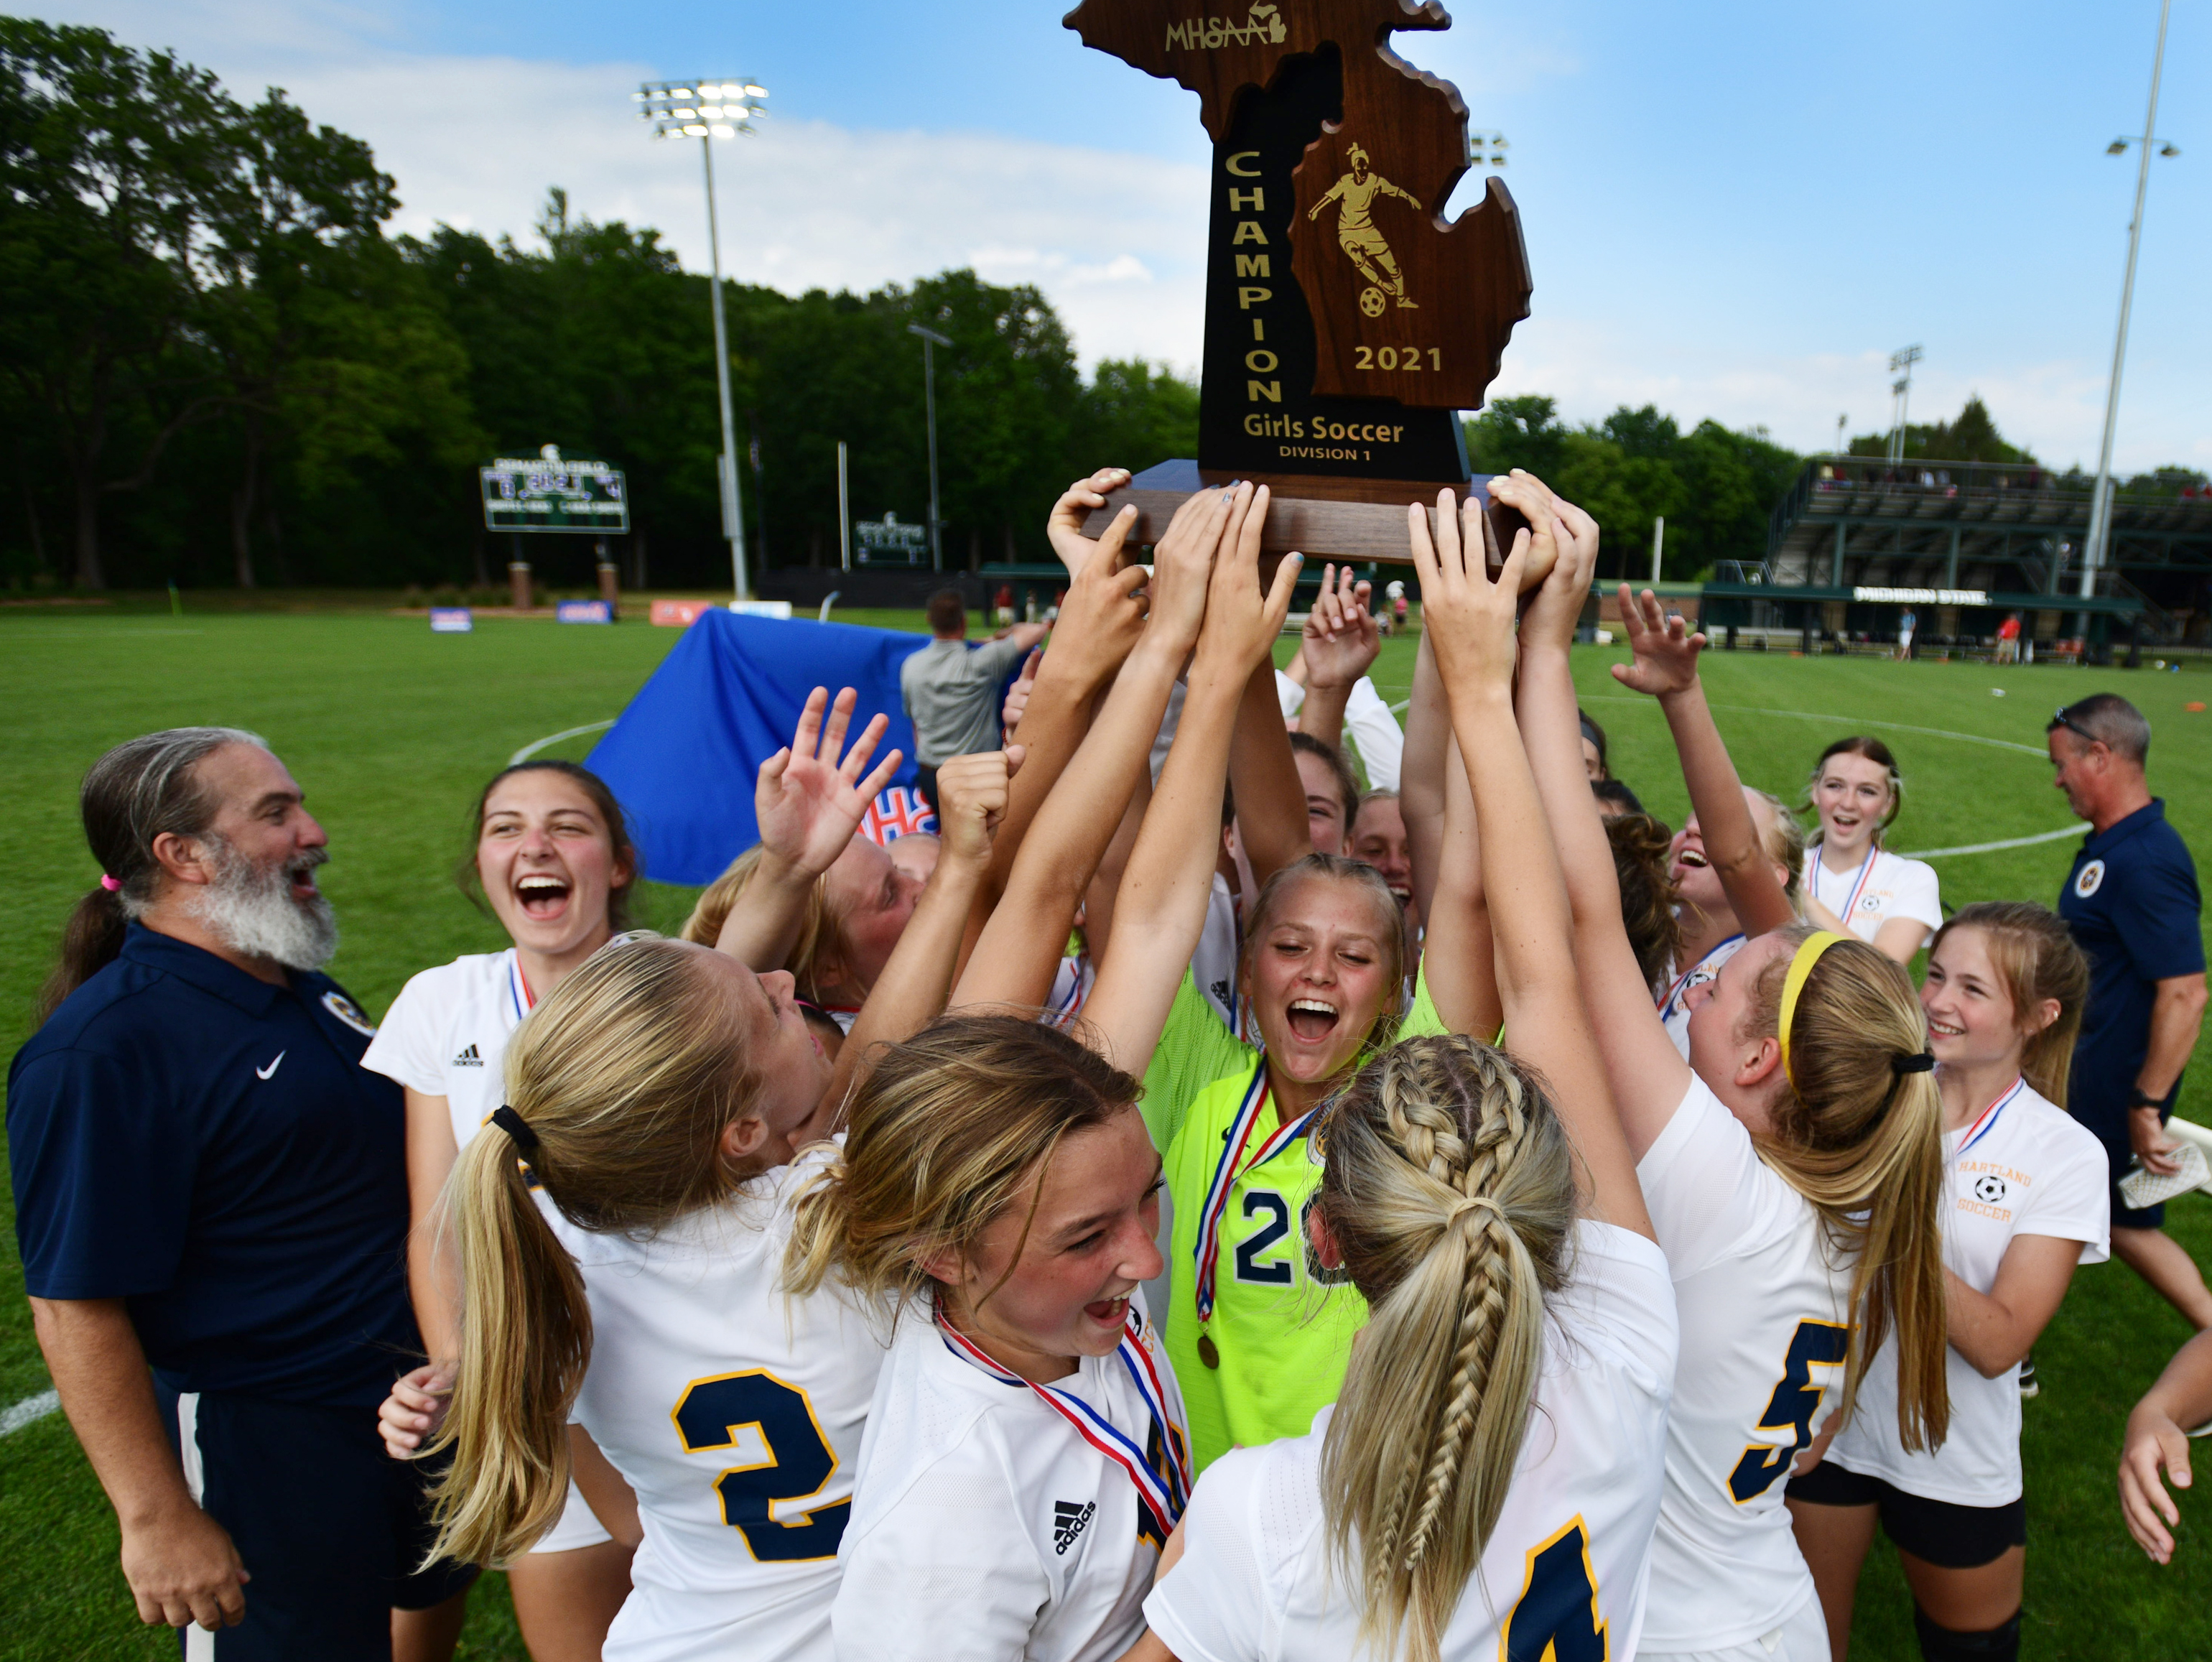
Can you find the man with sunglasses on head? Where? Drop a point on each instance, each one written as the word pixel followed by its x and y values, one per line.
pixel 2132 903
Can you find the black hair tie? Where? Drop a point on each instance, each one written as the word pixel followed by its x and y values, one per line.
pixel 516 1127
pixel 1922 1063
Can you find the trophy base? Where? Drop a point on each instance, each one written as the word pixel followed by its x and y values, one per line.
pixel 1320 517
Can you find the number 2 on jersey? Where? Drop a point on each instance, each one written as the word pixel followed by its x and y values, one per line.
pixel 1258 1202
pixel 1556 1617
pixel 711 1413
pixel 1815 1344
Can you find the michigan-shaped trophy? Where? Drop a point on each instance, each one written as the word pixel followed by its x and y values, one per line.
pixel 1347 322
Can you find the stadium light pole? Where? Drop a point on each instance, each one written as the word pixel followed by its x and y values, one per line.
pixel 931 340
pixel 1902 389
pixel 707 111
pixel 2100 499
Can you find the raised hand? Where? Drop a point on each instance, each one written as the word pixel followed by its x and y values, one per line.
pixel 1183 562
pixel 971 800
pixel 1341 637
pixel 1242 620
pixel 1466 618
pixel 1063 526
pixel 808 800
pixel 1551 617
pixel 1017 695
pixel 1666 650
pixel 1103 613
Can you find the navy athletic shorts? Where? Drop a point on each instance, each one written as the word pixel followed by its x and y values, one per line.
pixel 329 1525
pixel 1939 1532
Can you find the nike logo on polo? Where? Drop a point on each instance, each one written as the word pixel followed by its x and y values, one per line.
pixel 469 1058
pixel 1068 1521
pixel 263 1073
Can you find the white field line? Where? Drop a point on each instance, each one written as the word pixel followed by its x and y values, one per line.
pixel 29 1411
pixel 2010 842
pixel 536 745
pixel 1831 717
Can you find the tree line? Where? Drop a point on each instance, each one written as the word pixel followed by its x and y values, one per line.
pixel 220 368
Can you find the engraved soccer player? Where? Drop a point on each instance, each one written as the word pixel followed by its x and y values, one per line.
pixel 1356 232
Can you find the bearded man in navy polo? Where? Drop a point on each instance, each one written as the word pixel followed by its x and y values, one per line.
pixel 211 1203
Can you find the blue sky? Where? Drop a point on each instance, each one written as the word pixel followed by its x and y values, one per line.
pixel 1732 209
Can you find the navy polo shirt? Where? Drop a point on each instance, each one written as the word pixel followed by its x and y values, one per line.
pixel 2132 903
pixel 207 1147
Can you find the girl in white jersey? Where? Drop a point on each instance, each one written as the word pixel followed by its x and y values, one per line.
pixel 1792 1171
pixel 1850 881
pixel 1026 1454
pixel 553 861
pixel 1722 903
pixel 2026 1202
pixel 1487 1485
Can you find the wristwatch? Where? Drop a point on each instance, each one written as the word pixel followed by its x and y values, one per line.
pixel 2139 1097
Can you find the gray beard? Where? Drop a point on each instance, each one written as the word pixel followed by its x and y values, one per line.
pixel 251 909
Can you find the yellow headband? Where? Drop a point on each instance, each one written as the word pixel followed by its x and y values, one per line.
pixel 1794 984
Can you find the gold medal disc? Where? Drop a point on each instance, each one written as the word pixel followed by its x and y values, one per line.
pixel 1207 1351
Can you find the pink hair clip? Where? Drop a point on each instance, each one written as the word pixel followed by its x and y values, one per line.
pixel 109 883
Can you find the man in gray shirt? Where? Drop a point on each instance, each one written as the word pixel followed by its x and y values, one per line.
pixel 952 693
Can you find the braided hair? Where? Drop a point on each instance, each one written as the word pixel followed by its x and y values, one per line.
pixel 1448 1187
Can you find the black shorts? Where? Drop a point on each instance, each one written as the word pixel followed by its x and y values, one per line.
pixel 1938 1532
pixel 329 1525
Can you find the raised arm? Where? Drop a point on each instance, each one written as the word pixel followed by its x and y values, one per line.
pixel 1421 774
pixel 1263 776
pixel 1339 642
pixel 972 793
pixel 1665 666
pixel 1647 1075
pixel 1472 620
pixel 1161 906
pixel 808 800
pixel 1020 947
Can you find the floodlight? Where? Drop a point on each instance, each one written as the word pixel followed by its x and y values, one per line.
pixel 722 131
pixel 2117 147
pixel 2171 149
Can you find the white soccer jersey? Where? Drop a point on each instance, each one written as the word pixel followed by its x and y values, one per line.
pixel 2024 1167
pixel 1883 887
pixel 1213 964
pixel 736 1415
pixel 983 1526
pixel 1762 1301
pixel 446 1035
pixel 1564 1572
pixel 1673 998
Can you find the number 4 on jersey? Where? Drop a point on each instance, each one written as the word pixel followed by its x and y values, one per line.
pixel 1815 1344
pixel 711 1415
pixel 1556 1617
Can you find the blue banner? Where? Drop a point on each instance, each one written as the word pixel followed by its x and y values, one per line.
pixel 682 757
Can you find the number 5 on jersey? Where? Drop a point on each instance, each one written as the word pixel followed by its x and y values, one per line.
pixel 1796 1399
pixel 715 1414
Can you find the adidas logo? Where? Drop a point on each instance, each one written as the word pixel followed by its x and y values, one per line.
pixel 1068 1521
pixel 469 1058
pixel 1220 990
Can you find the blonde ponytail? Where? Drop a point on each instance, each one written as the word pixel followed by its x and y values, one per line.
pixel 1863 1143
pixel 1448 1190
pixel 624 1080
pixel 526 1338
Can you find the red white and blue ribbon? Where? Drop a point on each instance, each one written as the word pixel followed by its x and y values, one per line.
pixel 1078 992
pixel 1667 1005
pixel 1165 1493
pixel 1225 1173
pixel 1988 1121
pixel 518 989
pixel 1859 883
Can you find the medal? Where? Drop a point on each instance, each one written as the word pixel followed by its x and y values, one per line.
pixel 1207 1251
pixel 1165 1493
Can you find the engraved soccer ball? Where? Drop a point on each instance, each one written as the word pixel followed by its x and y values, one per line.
pixel 1371 301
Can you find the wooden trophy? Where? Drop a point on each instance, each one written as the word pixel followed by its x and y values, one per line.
pixel 1347 323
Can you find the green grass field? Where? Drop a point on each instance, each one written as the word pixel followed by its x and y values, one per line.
pixel 391 730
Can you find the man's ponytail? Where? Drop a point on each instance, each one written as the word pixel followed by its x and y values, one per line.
pixel 144 789
pixel 1448 1188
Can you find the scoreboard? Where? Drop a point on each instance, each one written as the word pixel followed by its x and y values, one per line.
pixel 552 492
